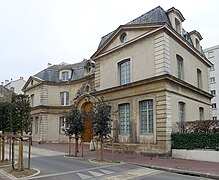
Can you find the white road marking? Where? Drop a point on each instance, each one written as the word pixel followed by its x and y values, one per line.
pixel 71 172
pixel 96 174
pixel 133 174
pixel 106 171
pixel 84 176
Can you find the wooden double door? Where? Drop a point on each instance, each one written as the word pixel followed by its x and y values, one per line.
pixel 88 126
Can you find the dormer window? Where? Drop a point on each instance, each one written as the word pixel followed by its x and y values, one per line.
pixel 65 76
pixel 197 45
pixel 89 67
pixel 196 38
pixel 178 26
pixel 123 37
pixel 176 18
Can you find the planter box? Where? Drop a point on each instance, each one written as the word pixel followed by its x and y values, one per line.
pixel 197 154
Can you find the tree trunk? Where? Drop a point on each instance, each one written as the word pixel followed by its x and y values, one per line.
pixel 97 149
pixel 82 147
pixel 10 148
pixel 22 159
pixel 0 147
pixel 30 140
pixel 69 147
pixel 20 155
pixel 12 153
pixel 76 146
pixel 3 148
pixel 101 149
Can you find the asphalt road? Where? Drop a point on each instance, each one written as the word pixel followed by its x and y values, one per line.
pixel 61 168
pixel 55 166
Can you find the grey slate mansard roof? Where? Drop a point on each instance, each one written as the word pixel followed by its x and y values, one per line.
pixel 156 15
pixel 51 74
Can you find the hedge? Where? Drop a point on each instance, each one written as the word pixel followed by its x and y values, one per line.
pixel 195 141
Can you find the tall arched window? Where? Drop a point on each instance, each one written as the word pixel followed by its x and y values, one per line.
pixel 180 71
pixel 201 113
pixel 181 107
pixel 64 98
pixel 125 72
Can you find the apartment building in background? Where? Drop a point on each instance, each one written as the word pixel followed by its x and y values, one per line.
pixel 15 85
pixel 212 53
pixel 5 94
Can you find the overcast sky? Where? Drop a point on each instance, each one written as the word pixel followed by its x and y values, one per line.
pixel 36 32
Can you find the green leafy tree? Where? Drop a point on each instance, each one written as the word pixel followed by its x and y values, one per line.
pixel 74 125
pixel 101 122
pixel 5 114
pixel 20 122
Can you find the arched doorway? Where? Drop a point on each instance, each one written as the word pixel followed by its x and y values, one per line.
pixel 87 135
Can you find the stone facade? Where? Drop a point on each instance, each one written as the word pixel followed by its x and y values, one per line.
pixel 152 73
pixel 45 98
pixel 152 51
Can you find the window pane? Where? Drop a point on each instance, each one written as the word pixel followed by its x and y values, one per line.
pixel 124 116
pixel 179 67
pixel 36 125
pixel 181 116
pixel 199 78
pixel 67 98
pixel 147 119
pixel 62 98
pixel 61 125
pixel 65 76
pixel 125 75
pixel 201 113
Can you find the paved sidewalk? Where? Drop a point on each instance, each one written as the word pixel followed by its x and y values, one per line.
pixel 192 167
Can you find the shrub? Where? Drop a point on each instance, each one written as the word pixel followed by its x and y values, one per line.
pixel 195 140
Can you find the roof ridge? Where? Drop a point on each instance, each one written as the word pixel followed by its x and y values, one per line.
pixel 145 14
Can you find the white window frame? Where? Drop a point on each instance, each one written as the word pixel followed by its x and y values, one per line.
pixel 64 98
pixel 62 124
pixel 146 111
pixel 214 118
pixel 124 118
pixel 125 71
pixel 210 54
pixel 212 80
pixel 32 100
pixel 199 78
pixel 36 123
pixel 201 113
pixel 212 68
pixel 65 75
pixel 182 112
pixel 214 106
pixel 177 25
pixel 180 69
pixel 213 92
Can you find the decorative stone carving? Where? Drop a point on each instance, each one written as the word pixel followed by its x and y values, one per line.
pixel 86 88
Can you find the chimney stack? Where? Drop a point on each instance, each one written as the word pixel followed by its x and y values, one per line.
pixel 6 81
pixel 49 64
